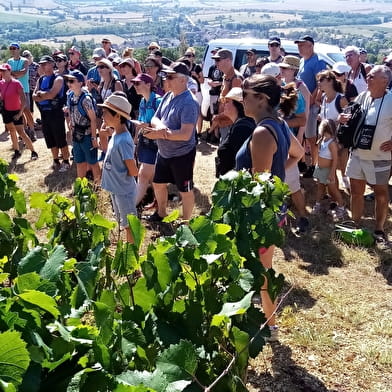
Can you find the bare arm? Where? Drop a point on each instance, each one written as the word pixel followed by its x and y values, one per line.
pixel 93 127
pixel 299 120
pixel 262 147
pixel 182 134
pixel 132 168
pixel 23 71
pixel 296 152
pixel 118 86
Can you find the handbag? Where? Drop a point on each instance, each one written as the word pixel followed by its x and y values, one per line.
pixel 79 133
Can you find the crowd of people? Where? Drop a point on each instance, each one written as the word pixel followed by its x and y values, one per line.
pixel 278 113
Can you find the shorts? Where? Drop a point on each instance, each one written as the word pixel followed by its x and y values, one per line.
pixel 84 151
pixel 53 128
pixel 373 172
pixel 311 123
pixel 322 174
pixel 8 117
pixel 146 154
pixel 124 205
pixel 292 179
pixel 176 170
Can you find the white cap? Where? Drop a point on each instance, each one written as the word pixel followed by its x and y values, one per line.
pixel 271 69
pixel 341 67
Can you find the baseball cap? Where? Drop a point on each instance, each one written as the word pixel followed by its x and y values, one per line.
pixel 46 59
pixel 235 94
pixel 5 67
pixel 128 61
pixel 75 75
pixel 99 52
pixel 290 62
pixel 60 56
pixel 105 39
pixel 74 49
pixel 274 40
pixel 26 53
pixel 213 51
pixel 341 67
pixel 271 69
pixel 252 50
pixel 143 77
pixel 304 39
pixel 177 67
pixel 119 104
pixel 223 54
pixel 14 45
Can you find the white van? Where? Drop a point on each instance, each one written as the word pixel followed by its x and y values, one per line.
pixel 329 53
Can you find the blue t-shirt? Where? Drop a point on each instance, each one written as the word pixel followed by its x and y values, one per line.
pixel 148 109
pixel 18 65
pixel 308 69
pixel 115 178
pixel 173 112
pixel 93 74
pixel 243 159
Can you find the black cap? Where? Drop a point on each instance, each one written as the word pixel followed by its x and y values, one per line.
pixel 46 59
pixel 215 49
pixel 274 40
pixel 251 50
pixel 304 39
pixel 177 67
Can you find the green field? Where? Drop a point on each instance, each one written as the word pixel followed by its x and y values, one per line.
pixel 7 17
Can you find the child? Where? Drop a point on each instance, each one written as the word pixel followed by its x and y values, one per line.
pixel 325 171
pixel 119 167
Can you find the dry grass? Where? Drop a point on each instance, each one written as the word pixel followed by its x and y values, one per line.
pixel 336 324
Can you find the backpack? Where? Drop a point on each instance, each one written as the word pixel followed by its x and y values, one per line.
pixel 79 104
pixel 345 133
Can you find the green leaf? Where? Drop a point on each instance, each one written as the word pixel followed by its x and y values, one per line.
pixel 178 362
pixel 240 307
pixel 20 202
pixel 151 381
pixel 100 221
pixel 14 357
pixel 104 320
pixel 185 237
pixel 6 223
pixel 137 230
pixel 54 264
pixel 33 261
pixel 171 217
pixel 43 301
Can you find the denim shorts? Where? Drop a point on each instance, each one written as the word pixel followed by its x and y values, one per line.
pixel 84 151
pixel 146 154
pixel 124 205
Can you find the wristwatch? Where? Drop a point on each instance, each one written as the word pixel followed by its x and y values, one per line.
pixel 93 138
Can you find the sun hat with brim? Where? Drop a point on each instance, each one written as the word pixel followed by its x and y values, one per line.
pixel 177 68
pixel 118 104
pixel 77 75
pixel 341 67
pixel 305 38
pixel 106 62
pixel 290 62
pixel 5 67
pixel 271 69
pixel 235 94
pixel 128 61
pixel 26 53
pixel 143 77
pixel 46 59
pixel 154 45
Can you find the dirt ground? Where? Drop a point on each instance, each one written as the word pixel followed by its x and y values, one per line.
pixel 336 323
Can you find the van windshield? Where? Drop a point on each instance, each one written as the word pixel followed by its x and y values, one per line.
pixel 336 57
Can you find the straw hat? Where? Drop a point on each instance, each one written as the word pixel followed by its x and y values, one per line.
pixel 290 62
pixel 118 104
pixel 235 94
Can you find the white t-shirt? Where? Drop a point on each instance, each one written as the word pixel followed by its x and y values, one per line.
pixel 383 130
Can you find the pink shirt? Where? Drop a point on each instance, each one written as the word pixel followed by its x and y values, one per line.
pixel 10 94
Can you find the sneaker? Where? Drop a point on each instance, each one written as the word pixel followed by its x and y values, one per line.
pixel 64 167
pixel 380 237
pixel 34 155
pixel 303 226
pixel 16 154
pixel 369 197
pixel 302 167
pixel 155 217
pixel 274 331
pixel 316 208
pixel 309 172
pixel 338 213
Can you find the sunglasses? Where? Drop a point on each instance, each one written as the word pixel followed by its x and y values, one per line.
pixel 71 81
pixel 13 48
pixel 323 78
pixel 217 60
pixel 250 54
pixel 136 83
pixel 102 67
pixel 189 55
pixel 274 45
pixel 71 53
pixel 338 74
